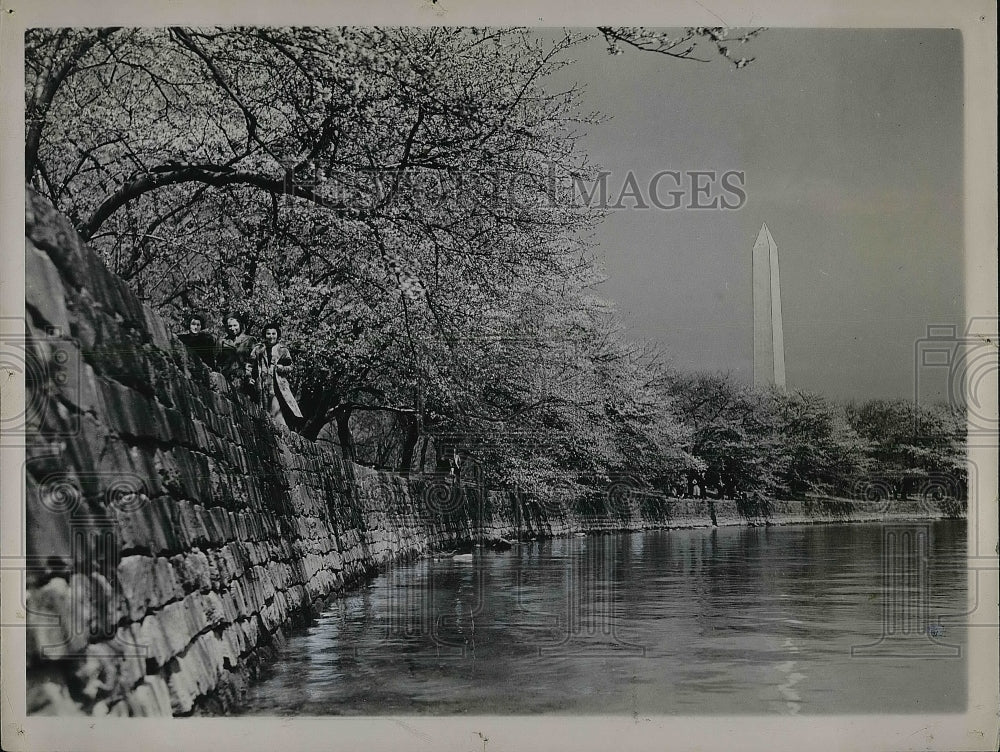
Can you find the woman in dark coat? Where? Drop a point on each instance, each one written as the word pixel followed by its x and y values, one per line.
pixel 233 355
pixel 273 366
pixel 199 341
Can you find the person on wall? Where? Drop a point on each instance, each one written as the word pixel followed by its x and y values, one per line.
pixel 273 362
pixel 200 342
pixel 234 354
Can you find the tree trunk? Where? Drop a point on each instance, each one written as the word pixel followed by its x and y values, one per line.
pixel 316 411
pixel 409 443
pixel 37 110
pixel 423 452
pixel 344 434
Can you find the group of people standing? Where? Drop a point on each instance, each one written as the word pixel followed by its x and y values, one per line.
pixel 259 369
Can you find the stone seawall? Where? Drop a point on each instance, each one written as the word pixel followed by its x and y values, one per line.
pixel 174 533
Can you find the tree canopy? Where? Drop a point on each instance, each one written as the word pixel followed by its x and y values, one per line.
pixel 384 193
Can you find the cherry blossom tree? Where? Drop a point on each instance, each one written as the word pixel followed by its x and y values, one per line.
pixel 386 194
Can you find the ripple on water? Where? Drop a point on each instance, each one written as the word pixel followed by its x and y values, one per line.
pixel 734 620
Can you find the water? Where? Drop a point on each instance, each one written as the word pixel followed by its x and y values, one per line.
pixel 734 620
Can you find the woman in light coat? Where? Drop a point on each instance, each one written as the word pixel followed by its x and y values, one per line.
pixel 274 365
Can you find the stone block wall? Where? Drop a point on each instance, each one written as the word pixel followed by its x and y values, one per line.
pixel 174 533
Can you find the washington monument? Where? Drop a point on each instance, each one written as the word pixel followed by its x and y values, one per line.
pixel 768 338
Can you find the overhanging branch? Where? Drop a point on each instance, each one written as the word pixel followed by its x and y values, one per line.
pixel 214 175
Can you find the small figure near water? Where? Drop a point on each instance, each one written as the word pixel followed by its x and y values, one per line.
pixel 273 365
pixel 200 342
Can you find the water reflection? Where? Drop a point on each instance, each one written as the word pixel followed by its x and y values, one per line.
pixel 757 620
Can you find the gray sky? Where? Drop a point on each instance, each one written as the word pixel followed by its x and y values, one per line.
pixel 851 141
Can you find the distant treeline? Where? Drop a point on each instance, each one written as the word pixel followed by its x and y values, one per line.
pixel 720 438
pixel 752 442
